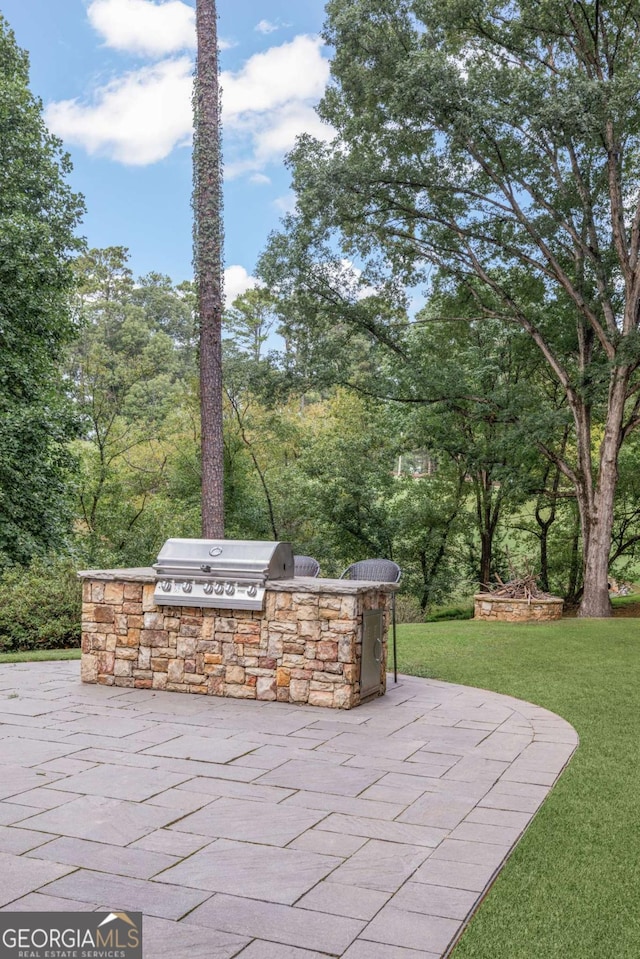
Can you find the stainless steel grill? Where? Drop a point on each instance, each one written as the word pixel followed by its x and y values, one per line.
pixel 226 573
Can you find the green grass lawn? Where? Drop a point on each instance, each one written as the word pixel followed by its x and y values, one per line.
pixel 39 656
pixel 571 888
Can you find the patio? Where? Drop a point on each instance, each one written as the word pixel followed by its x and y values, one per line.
pixel 263 829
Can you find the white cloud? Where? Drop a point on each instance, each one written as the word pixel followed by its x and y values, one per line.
pixel 146 27
pixel 268 103
pixel 291 72
pixel 266 26
pixel 137 119
pixel 278 136
pixel 237 281
pixel 255 141
pixel 260 178
pixel 141 116
pixel 143 26
pixel 286 203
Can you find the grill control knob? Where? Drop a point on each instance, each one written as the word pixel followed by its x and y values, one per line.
pixel 165 585
pixel 187 587
pixel 229 589
pixel 208 588
pixel 219 588
pixel 252 590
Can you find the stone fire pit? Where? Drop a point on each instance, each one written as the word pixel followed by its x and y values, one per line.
pixel 489 606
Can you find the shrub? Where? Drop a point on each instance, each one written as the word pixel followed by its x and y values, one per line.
pixel 40 606
pixel 440 613
pixel 408 609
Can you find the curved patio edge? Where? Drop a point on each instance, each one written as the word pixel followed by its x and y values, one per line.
pixel 519 791
pixel 262 829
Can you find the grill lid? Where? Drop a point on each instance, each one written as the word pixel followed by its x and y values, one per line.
pixel 252 560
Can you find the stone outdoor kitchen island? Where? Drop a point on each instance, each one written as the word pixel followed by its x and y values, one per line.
pixel 305 646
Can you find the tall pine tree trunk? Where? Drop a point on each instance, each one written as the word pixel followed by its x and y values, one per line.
pixel 208 239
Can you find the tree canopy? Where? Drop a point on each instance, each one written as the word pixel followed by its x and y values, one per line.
pixel 495 144
pixel 39 215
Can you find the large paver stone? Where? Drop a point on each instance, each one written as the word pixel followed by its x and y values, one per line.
pixel 265 830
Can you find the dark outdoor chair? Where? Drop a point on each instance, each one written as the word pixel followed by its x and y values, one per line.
pixel 378 570
pixel 305 566
pixel 381 571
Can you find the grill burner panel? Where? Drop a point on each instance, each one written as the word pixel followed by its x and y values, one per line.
pixel 226 594
pixel 229 574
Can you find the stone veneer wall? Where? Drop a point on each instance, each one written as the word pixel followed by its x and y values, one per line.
pixel 488 606
pixel 304 647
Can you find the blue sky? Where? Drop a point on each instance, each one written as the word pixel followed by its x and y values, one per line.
pixel 115 78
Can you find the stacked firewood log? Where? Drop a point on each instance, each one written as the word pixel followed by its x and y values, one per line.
pixel 519 587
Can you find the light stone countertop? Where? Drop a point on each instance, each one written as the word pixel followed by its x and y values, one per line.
pixel 310 584
pixel 302 584
pixel 139 574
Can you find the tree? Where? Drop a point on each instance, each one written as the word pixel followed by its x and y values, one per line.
pixel 428 515
pixel 38 217
pixel 476 383
pixel 170 309
pixel 345 480
pixel 102 275
pixel 207 204
pixel 133 375
pixel 499 142
pixel 250 321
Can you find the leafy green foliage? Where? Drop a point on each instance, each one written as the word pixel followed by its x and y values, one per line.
pixel 408 609
pixel 324 469
pixel 40 605
pixel 134 382
pixel 345 476
pixel 38 218
pixel 493 147
pixel 249 322
pixel 449 612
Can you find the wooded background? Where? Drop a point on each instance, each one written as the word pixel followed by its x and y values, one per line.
pixel 485 155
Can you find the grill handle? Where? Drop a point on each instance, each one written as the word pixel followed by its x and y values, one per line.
pixel 205 568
